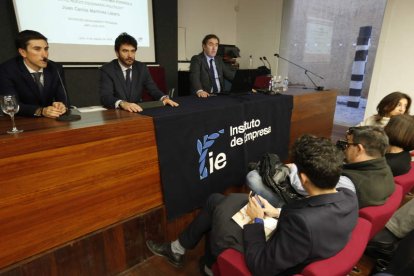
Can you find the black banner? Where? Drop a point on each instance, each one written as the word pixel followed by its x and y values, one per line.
pixel 205 144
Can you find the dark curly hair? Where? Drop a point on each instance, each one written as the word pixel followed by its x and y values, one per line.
pixel 390 102
pixel 319 159
pixel 125 38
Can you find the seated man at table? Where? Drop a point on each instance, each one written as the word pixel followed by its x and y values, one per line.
pixel 123 79
pixel 310 229
pixel 208 71
pixel 37 86
pixel 366 171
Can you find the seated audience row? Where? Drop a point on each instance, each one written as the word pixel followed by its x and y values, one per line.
pixel 310 229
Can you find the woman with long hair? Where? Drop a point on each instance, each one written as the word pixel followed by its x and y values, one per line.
pixel 395 103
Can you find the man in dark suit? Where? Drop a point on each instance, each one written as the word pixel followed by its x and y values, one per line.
pixel 207 71
pixel 123 79
pixel 310 229
pixel 35 84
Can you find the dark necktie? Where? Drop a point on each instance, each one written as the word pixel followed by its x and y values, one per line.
pixel 37 81
pixel 128 80
pixel 213 77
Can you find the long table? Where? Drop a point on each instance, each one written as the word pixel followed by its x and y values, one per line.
pixel 61 182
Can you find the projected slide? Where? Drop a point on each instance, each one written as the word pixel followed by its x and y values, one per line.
pixel 72 23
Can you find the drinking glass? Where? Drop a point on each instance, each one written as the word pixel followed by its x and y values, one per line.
pixel 10 106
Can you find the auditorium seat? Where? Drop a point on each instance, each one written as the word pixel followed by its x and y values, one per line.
pixel 231 262
pixel 262 82
pixel 379 215
pixel 406 181
pixel 158 76
pixel 343 262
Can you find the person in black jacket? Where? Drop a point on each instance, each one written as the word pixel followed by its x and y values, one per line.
pixel 123 80
pixel 400 131
pixel 310 229
pixel 208 71
pixel 34 79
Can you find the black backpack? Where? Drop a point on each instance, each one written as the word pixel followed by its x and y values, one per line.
pixel 275 175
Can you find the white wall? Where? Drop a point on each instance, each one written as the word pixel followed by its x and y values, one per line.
pixel 199 18
pixel 258 31
pixel 254 26
pixel 394 63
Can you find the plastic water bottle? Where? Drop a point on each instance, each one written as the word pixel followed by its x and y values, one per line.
pixel 270 84
pixel 285 84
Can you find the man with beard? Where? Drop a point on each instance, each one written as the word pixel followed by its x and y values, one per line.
pixel 123 79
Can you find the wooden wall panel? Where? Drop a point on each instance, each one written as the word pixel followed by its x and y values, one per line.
pixel 74 184
pixel 313 113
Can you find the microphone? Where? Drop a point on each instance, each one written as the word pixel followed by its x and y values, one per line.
pixel 263 61
pixel 250 62
pixel 263 70
pixel 319 88
pixel 270 67
pixel 67 116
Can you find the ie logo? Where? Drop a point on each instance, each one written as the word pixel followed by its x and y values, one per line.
pixel 207 156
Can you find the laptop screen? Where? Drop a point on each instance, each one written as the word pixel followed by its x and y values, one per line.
pixel 243 80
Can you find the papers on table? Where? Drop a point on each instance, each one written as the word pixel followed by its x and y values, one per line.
pixel 91 108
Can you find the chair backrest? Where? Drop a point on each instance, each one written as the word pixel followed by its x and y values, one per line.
pixel 261 82
pixel 379 215
pixel 343 262
pixel 158 76
pixel 406 181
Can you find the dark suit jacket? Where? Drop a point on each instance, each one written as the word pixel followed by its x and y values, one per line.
pixel 310 229
pixel 15 79
pixel 113 87
pixel 199 73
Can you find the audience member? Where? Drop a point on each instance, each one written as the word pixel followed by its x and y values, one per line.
pixel 400 132
pixel 396 241
pixel 208 71
pixel 365 171
pixel 314 228
pixel 36 85
pixel 123 79
pixel 393 104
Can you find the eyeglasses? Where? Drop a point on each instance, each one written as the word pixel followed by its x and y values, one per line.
pixel 343 144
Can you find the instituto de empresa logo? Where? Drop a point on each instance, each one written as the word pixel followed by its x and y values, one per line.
pixel 246 132
pixel 208 163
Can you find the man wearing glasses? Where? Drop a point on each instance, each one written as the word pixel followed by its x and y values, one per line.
pixel 366 166
pixel 365 170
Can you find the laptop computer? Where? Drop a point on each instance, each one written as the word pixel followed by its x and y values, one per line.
pixel 243 81
pixel 150 104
